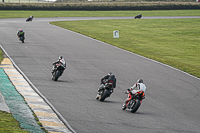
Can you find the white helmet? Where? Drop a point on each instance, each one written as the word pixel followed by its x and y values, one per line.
pixel 60 57
pixel 139 81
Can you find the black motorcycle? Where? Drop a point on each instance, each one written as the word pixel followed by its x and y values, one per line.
pixel 57 71
pixel 104 91
pixel 22 38
pixel 29 19
pixel 138 16
pixel 135 102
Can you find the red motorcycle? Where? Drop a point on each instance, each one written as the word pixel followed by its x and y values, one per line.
pixel 135 102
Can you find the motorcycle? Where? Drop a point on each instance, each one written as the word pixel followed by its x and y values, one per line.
pixel 135 102
pixel 104 91
pixel 138 16
pixel 57 71
pixel 22 38
pixel 29 19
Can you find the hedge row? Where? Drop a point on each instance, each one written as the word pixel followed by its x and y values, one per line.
pixel 101 6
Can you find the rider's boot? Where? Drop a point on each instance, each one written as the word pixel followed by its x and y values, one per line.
pixel 124 106
pixel 98 96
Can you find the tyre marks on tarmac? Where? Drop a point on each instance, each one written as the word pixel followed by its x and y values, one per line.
pixel 45 114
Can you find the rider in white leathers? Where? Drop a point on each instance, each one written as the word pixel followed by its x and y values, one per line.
pixel 138 86
pixel 61 61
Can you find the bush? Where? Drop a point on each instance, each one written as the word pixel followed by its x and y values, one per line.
pixel 104 6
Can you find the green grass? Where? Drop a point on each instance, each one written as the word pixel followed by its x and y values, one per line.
pixel 171 41
pixel 39 14
pixel 8 124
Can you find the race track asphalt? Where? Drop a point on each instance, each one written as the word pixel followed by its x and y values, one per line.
pixel 172 101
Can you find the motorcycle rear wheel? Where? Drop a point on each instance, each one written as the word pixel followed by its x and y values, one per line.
pixel 57 75
pixel 135 106
pixel 104 95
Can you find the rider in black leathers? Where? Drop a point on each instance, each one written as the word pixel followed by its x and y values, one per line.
pixel 109 78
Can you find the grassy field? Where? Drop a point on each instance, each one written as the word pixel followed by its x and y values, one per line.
pixel 171 41
pixel 39 14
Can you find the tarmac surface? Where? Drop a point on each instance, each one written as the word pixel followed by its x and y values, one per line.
pixel 172 102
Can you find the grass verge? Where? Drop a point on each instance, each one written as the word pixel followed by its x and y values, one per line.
pixel 8 124
pixel 39 14
pixel 171 41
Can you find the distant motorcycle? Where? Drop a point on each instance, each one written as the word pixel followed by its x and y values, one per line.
pixel 138 16
pixel 58 71
pixel 135 102
pixel 29 19
pixel 22 38
pixel 104 91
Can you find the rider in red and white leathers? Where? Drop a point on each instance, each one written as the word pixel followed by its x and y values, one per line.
pixel 137 87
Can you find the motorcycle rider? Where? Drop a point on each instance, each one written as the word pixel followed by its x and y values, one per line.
pixel 109 78
pixel 138 86
pixel 20 33
pixel 31 17
pixel 60 60
pixel 138 16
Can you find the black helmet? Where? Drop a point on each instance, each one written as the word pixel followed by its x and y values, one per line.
pixel 139 81
pixel 60 57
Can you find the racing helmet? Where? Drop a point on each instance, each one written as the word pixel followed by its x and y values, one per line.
pixel 20 30
pixel 139 81
pixel 109 73
pixel 60 57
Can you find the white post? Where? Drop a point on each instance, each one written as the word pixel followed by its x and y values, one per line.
pixel 116 34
